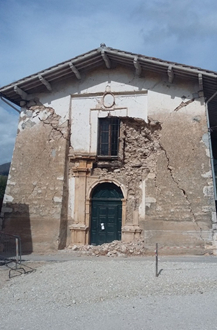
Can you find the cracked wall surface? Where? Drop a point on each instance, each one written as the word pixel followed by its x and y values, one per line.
pixel 182 212
pixel 169 156
pixel 36 187
pixel 163 165
pixel 137 157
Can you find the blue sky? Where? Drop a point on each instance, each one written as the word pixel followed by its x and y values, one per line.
pixel 37 34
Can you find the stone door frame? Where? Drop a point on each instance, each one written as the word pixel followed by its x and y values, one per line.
pixel 89 202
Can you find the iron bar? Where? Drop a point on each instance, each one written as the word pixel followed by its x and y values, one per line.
pixel 156 259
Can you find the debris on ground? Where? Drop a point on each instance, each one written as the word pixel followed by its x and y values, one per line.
pixel 113 249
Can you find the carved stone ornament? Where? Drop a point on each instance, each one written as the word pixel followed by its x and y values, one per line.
pixel 108 100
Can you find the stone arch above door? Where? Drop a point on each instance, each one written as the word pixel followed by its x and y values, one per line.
pixel 106 213
pixel 98 182
pixel 107 190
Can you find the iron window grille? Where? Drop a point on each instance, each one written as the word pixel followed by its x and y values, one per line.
pixel 108 136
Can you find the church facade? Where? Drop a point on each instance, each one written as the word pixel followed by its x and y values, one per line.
pixel 113 146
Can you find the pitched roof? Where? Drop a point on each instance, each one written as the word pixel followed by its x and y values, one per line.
pixel 42 81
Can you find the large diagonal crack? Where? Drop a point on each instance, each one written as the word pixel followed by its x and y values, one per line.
pixel 57 129
pixel 181 189
pixel 183 104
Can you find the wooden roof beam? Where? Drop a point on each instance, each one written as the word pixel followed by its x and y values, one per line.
pixel 106 59
pixel 170 73
pixel 45 82
pixel 75 70
pixel 20 92
pixel 200 81
pixel 137 66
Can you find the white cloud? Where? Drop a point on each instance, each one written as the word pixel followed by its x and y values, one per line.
pixel 41 36
pixel 38 34
pixel 181 31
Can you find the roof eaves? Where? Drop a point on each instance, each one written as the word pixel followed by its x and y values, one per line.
pixel 100 55
pixel 54 68
pixel 156 61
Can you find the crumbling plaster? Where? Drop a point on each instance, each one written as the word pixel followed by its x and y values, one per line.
pixel 181 175
pixel 163 161
pixel 37 174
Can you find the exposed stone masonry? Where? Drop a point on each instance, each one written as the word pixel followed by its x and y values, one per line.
pixel 139 144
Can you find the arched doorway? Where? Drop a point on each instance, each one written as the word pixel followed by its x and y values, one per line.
pixel 106 213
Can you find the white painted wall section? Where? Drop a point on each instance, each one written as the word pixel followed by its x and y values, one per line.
pixel 87 109
pixel 71 204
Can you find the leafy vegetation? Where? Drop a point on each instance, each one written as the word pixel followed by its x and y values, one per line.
pixel 4 170
pixel 3 182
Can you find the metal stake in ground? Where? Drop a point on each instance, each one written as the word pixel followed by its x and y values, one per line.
pixel 17 252
pixel 156 259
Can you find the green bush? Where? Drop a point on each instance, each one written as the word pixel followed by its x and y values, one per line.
pixel 3 182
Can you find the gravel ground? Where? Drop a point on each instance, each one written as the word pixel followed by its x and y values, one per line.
pixel 104 293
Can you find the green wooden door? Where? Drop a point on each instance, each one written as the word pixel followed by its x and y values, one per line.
pixel 106 214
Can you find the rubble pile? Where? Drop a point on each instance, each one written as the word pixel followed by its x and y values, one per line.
pixel 113 249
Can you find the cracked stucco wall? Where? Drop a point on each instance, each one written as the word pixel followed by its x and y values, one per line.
pixel 139 145
pixel 165 169
pixel 169 183
pixel 183 208
pixel 168 157
pixel 35 193
pixel 163 163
